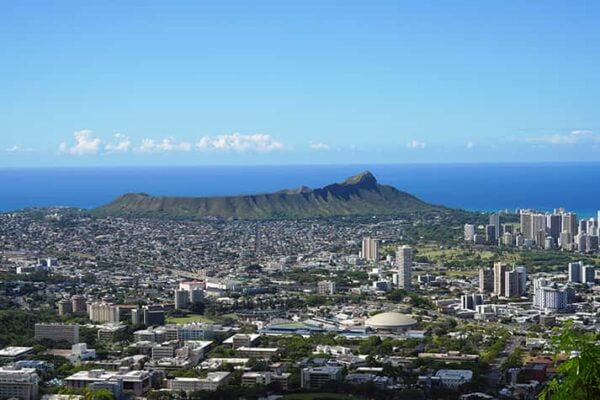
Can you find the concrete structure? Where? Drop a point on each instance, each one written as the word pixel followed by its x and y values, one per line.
pixel 454 378
pixel 575 272
pixel 499 278
pixel 486 280
pixel 318 377
pixel 404 264
pixel 390 322
pixel 370 249
pixel 211 383
pixel 548 295
pixel 182 299
pixel 18 383
pixel 264 353
pixel 495 222
pixel 470 301
pixel 326 287
pixel 65 307
pixel 57 332
pixel 13 353
pixel 469 232
pixel 588 274
pixel 103 312
pixel 136 382
pixel 265 378
pixel 79 304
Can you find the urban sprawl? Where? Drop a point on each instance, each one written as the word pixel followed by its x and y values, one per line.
pixel 380 307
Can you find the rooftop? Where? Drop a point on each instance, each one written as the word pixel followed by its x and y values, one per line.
pixel 14 351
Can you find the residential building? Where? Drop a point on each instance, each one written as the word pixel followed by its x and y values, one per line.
pixel 469 232
pixel 404 264
pixel 486 280
pixel 370 249
pixel 499 278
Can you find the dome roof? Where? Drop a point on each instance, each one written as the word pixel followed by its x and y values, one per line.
pixel 390 320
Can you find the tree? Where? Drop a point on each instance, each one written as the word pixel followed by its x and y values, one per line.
pixel 578 377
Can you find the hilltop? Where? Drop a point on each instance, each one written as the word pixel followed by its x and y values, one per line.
pixel 358 195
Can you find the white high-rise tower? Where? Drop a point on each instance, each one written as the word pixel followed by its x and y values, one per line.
pixel 404 263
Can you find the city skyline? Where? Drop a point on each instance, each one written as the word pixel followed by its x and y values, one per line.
pixel 305 83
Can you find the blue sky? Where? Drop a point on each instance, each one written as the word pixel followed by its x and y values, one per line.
pixel 277 82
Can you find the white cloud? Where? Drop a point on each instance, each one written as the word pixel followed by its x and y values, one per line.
pixel 85 143
pixel 18 149
pixel 121 145
pixel 319 146
pixel 470 145
pixel 258 142
pixel 415 144
pixel 571 138
pixel 164 146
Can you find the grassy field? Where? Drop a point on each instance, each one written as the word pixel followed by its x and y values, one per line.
pixel 188 319
pixel 318 396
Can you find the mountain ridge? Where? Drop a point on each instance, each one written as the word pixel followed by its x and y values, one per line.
pixel 360 194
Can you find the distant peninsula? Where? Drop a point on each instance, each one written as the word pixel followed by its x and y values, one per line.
pixel 359 195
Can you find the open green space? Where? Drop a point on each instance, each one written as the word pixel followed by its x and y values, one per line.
pixel 188 318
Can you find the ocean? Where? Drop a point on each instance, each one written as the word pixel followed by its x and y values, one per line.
pixel 482 187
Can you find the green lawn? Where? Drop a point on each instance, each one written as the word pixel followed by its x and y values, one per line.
pixel 188 319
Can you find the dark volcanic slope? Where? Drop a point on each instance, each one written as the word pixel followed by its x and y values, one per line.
pixel 358 195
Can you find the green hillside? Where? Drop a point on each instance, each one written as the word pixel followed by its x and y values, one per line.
pixel 358 195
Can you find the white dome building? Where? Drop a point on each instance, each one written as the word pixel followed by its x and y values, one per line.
pixel 391 322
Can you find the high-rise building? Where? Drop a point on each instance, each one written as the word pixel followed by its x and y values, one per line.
pixel 491 234
pixel 511 283
pixel 469 232
pixel 581 242
pixel 525 218
pixel 538 228
pixel 404 264
pixel 495 220
pixel 548 296
pixel 522 276
pixel 370 249
pixel 554 226
pixel 470 301
pixel 79 304
pixel 582 226
pixel 566 240
pixel 592 243
pixel 507 239
pixel 486 280
pixel 569 223
pixel 575 272
pixel 588 274
pixel 65 307
pixel 103 312
pixel 500 278
pixel 182 299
